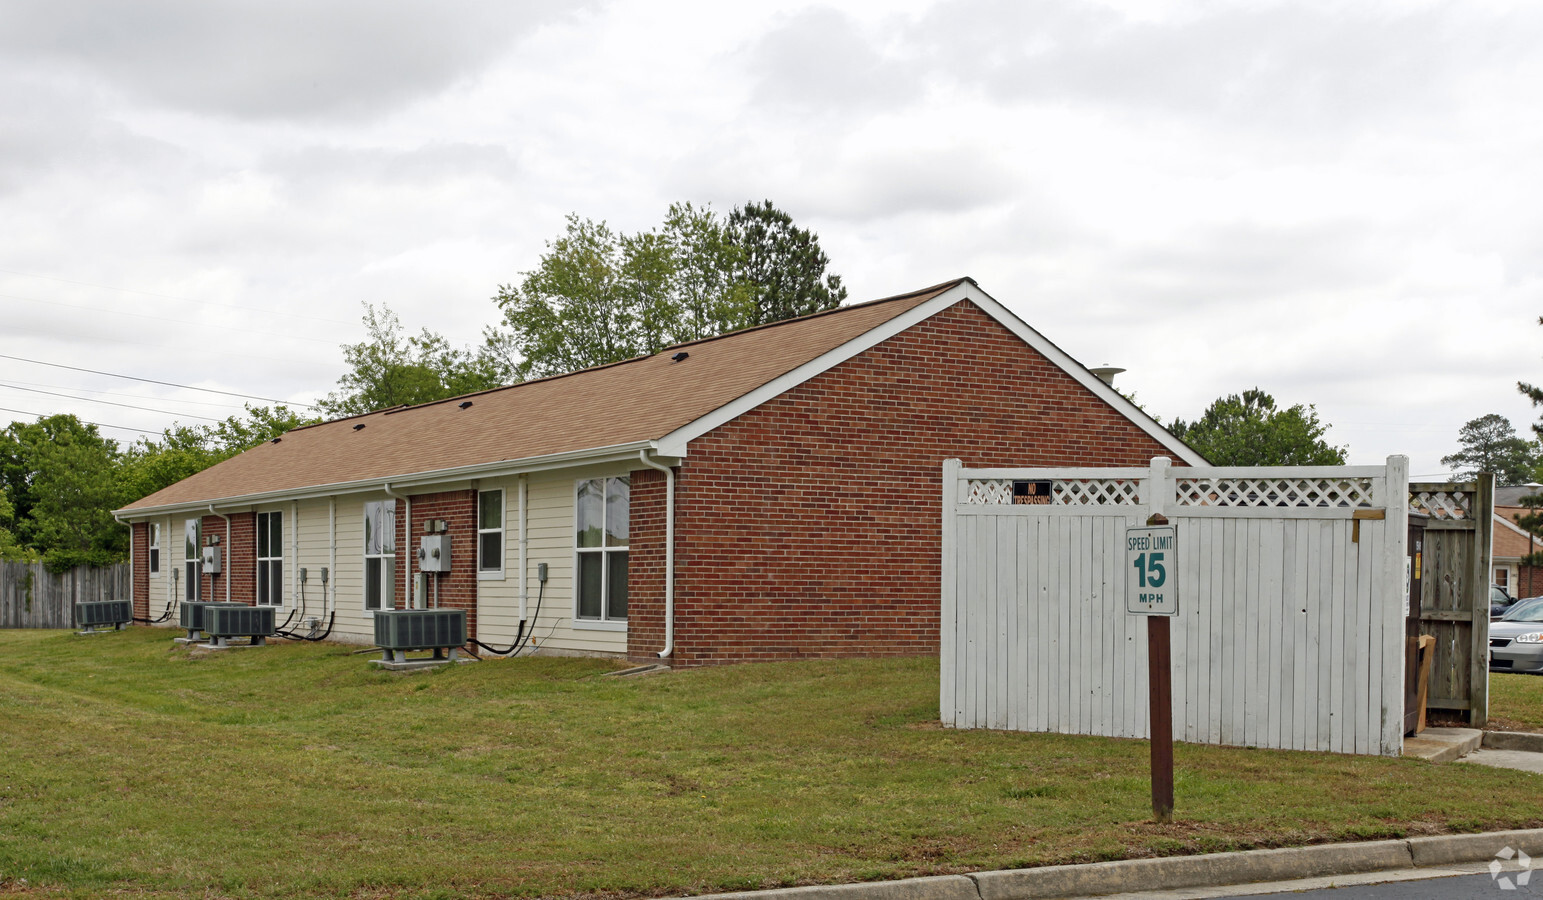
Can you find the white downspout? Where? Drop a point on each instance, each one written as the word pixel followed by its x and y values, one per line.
pixel 225 564
pixel 330 587
pixel 407 538
pixel 669 553
pixel 294 564
pixel 524 547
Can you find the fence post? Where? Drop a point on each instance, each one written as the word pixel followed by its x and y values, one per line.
pixel 1159 487
pixel 1483 570
pixel 948 623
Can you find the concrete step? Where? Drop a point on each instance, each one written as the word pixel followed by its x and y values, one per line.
pixel 1440 745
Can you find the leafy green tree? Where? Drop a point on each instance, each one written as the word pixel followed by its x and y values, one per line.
pixel 598 296
pixel 61 482
pixel 782 263
pixel 1490 444
pixel 390 368
pixel 10 548
pixel 1248 430
pixel 182 450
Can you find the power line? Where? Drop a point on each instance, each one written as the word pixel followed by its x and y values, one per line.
pixel 17 387
pixel 184 322
pixel 125 290
pixel 222 404
pixel 82 421
pixel 188 387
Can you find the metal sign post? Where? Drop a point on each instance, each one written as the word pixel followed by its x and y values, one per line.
pixel 1151 591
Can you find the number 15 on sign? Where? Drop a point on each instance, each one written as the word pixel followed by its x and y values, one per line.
pixel 1150 562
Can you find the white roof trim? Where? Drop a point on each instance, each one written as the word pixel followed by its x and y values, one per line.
pixel 674 443
pixel 1513 526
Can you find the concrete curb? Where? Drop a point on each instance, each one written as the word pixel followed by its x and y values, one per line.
pixel 1514 740
pixel 1170 872
pixel 1443 849
pixel 1192 871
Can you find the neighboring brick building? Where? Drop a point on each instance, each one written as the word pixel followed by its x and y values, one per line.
pixel 804 459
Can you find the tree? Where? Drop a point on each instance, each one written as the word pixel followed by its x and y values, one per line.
pixel 61 483
pixel 1248 430
pixel 390 369
pixel 183 450
pixel 598 296
pixel 784 264
pixel 1489 444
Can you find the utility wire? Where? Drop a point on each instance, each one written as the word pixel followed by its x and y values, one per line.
pixel 82 421
pixel 167 412
pixel 153 381
pixel 125 290
pixel 184 322
pixel 223 404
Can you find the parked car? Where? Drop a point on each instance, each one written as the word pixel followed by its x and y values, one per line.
pixel 1516 641
pixel 1499 601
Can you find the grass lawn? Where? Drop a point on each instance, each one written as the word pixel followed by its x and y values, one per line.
pixel 301 770
pixel 1515 702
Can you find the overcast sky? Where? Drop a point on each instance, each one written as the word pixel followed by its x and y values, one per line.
pixel 1339 203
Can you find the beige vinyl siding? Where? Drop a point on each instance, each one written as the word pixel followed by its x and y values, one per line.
pixel 550 519
pixel 160 582
pixel 308 599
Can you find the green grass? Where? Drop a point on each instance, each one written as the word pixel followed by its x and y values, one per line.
pixel 1516 702
pixel 300 770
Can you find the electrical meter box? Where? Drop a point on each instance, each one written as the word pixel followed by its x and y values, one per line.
pixel 434 553
pixel 211 560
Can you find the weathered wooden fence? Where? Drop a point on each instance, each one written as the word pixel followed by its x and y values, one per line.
pixel 33 597
pixel 1454 591
pixel 1290 631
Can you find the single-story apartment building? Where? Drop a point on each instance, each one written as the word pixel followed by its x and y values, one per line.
pixel 774 493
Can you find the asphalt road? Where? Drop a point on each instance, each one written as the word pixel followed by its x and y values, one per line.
pixel 1456 887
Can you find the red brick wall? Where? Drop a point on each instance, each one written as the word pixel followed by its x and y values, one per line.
pixel 458 587
pixel 645 564
pixel 238 558
pixel 810 526
pixel 140 537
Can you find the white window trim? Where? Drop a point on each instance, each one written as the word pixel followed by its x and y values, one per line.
pixel 364 567
pixel 502 531
pixel 153 547
pixel 601 624
pixel 257 568
pixel 195 581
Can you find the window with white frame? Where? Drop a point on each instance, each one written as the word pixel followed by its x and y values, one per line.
pixel 490 534
pixel 155 548
pixel 603 516
pixel 270 559
pixel 380 554
pixel 192 557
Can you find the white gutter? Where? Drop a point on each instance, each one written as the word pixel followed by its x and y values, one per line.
pixel 524 546
pixel 669 553
pixel 407 532
pixel 294 559
pixel 225 564
pixel 503 468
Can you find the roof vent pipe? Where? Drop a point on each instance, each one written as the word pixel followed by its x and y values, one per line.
pixel 1106 373
pixel 669 553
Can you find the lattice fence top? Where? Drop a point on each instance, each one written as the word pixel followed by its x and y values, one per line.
pixel 1273 493
pixel 1443 504
pixel 1062 492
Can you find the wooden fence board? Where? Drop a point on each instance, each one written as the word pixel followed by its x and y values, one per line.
pixel 33 597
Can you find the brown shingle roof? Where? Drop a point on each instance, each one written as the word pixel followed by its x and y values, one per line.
pixel 636 400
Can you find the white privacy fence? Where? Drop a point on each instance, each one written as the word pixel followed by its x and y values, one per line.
pixel 1291 581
